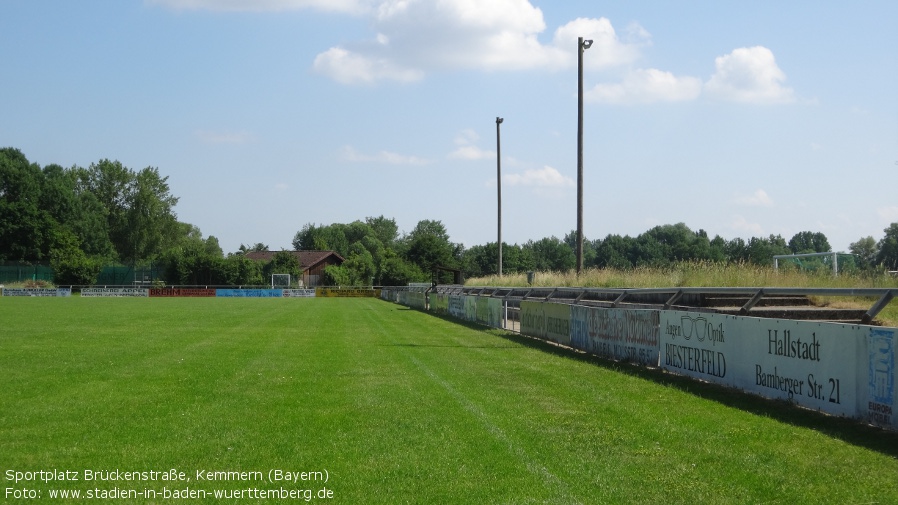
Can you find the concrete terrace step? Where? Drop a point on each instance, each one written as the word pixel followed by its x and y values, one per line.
pixel 802 313
pixel 767 301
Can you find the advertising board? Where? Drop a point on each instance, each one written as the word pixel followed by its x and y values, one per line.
pixel 347 292
pixel 550 321
pixel 249 293
pixel 620 334
pixel 298 293
pixel 178 292
pixel 41 292
pixel 879 405
pixel 115 292
pixel 810 363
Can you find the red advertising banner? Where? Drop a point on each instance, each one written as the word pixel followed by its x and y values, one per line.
pixel 169 292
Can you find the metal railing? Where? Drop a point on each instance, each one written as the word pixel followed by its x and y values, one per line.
pixel 668 298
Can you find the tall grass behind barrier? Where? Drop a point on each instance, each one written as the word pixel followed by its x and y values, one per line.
pixel 710 274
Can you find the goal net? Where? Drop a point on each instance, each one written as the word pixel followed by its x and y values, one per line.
pixel 280 281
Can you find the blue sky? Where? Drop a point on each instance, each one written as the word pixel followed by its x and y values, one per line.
pixel 740 118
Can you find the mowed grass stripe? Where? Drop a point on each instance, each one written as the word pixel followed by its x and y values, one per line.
pixel 400 407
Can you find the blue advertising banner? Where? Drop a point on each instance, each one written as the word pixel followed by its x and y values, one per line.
pixel 620 334
pixel 249 293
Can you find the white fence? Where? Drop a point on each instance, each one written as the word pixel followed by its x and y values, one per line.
pixel 841 369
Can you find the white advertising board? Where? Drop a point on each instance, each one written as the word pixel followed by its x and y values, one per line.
pixel 36 291
pixel 812 364
pixel 299 293
pixel 115 292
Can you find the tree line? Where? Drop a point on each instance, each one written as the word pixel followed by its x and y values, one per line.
pixel 79 219
pixel 666 245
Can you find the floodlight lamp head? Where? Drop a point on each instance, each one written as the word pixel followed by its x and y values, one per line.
pixel 587 44
pixel 499 120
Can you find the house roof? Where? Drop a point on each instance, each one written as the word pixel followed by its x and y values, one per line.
pixel 307 259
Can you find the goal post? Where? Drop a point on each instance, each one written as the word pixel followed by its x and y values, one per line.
pixel 280 281
pixel 827 259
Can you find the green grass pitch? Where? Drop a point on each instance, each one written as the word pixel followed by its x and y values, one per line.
pixel 381 404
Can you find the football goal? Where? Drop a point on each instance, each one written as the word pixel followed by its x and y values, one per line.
pixel 813 261
pixel 280 281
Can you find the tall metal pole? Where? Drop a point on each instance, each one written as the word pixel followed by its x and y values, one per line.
pixel 582 45
pixel 499 185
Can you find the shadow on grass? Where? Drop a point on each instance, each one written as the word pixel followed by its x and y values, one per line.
pixel 848 430
pixel 851 431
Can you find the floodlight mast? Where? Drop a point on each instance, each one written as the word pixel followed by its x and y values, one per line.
pixel 582 45
pixel 499 186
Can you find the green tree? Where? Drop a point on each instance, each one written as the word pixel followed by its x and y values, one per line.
pixel 283 262
pixel 428 246
pixel 360 266
pixel 110 183
pixel 257 247
pixel 551 254
pixel 589 249
pixel 192 260
pixel 616 252
pixel 70 265
pixel 737 251
pixel 322 238
pixel 762 250
pixel 89 222
pixel 138 207
pixel 888 248
pixel 718 249
pixel 673 243
pixel 335 275
pixel 809 242
pixel 242 271
pixel 865 250
pixel 24 228
pixel 481 260
pixel 150 217
pixel 399 272
pixel 385 230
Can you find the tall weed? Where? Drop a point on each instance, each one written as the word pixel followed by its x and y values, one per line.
pixel 711 274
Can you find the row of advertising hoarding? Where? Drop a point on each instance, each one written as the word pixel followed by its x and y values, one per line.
pixel 841 369
pixel 122 292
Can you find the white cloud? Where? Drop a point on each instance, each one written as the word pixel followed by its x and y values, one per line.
pixel 348 153
pixel 472 153
pixel 647 86
pixel 415 37
pixel 759 198
pixel 353 68
pixel 346 6
pixel 740 224
pixel 607 50
pixel 750 75
pixel 467 150
pixel 547 177
pixel 466 137
pixel 411 38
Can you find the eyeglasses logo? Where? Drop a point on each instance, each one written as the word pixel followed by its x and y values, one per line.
pixel 694 325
